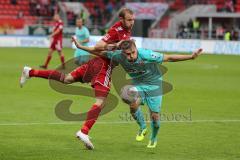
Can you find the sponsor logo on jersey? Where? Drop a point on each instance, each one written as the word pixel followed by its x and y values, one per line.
pixel 119 28
pixel 106 37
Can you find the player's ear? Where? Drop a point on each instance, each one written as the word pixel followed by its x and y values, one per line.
pixel 121 18
pixel 133 40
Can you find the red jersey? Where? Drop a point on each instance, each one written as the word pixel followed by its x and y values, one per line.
pixel 116 33
pixel 58 25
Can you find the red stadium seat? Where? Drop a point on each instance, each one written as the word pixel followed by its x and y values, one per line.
pixel 16 23
pixel 164 22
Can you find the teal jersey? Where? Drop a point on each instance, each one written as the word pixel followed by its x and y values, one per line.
pixel 146 75
pixel 82 34
pixel 144 70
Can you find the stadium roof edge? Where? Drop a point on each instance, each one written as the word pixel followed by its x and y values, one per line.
pixel 219 15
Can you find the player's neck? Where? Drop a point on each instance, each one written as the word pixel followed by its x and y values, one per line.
pixel 127 29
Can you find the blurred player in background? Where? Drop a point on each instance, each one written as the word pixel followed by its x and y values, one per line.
pixel 82 35
pixel 56 41
pixel 97 71
pixel 146 88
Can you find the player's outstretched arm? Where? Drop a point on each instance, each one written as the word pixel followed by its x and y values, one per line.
pixel 91 50
pixel 176 58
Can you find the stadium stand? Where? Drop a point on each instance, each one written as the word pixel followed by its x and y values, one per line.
pixel 18 13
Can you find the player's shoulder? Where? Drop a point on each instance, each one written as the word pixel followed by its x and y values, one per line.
pixel 117 27
pixel 85 28
pixel 148 53
pixel 60 22
pixel 144 51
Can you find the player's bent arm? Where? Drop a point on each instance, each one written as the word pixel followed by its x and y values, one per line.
pixel 55 32
pixel 176 58
pixel 103 46
pixel 85 40
pixel 91 50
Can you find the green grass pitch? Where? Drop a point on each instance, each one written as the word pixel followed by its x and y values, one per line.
pixel 209 87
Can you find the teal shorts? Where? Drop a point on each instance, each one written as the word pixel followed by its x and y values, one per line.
pixel 81 56
pixel 150 95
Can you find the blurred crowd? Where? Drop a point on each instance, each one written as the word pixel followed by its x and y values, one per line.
pixel 194 30
pixel 228 5
pixel 43 8
pixel 99 14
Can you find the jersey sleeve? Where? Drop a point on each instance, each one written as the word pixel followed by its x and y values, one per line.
pixel 151 56
pixel 114 55
pixel 60 26
pixel 76 31
pixel 111 36
pixel 87 34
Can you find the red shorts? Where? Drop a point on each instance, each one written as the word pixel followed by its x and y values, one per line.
pixel 98 72
pixel 56 44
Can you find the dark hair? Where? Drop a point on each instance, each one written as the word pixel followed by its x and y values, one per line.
pixel 127 44
pixel 123 12
pixel 80 18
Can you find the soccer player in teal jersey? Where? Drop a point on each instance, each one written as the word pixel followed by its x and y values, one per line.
pixel 82 35
pixel 141 65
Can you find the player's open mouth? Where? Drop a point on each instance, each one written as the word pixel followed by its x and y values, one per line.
pixel 132 60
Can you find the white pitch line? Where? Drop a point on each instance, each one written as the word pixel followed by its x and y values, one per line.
pixel 119 122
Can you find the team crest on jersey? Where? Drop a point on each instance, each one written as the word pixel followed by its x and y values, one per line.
pixel 119 28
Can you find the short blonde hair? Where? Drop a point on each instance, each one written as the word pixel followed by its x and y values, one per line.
pixel 127 44
pixel 123 12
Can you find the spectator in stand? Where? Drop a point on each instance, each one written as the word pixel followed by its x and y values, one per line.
pixel 183 31
pixel 20 15
pixel 227 35
pixel 98 15
pixel 70 18
pixel 219 32
pixel 14 2
pixel 52 7
pixel 234 34
pixel 190 25
pixel 119 4
pixel 196 28
pixel 45 6
pixel 38 8
pixel 32 5
pixel 238 34
pixel 108 11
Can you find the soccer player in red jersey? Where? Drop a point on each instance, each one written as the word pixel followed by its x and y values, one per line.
pixel 97 71
pixel 56 41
